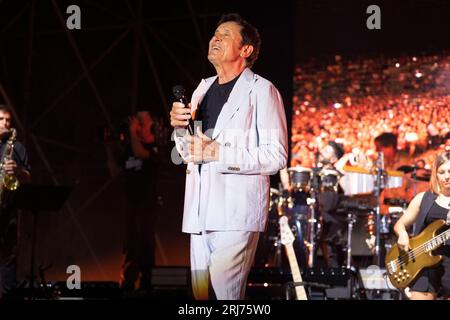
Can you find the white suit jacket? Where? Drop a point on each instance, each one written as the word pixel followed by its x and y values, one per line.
pixel 233 193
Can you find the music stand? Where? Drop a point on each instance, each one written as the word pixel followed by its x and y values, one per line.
pixel 37 198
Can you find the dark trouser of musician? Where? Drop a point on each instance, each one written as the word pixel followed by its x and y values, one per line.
pixel 139 259
pixel 139 246
pixel 333 229
pixel 8 257
pixel 332 240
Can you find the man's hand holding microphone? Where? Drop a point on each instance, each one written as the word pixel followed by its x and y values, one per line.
pixel 197 147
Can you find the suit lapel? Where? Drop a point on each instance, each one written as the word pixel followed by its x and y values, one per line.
pixel 200 94
pixel 240 92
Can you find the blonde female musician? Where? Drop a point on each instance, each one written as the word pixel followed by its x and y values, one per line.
pixel 425 208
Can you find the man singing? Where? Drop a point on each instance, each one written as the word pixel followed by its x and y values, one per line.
pixel 242 141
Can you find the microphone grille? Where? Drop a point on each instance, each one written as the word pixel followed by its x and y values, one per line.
pixel 178 91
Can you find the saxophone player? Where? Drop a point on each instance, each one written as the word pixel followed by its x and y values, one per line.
pixel 17 166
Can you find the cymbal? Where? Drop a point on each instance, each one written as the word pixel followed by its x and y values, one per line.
pixel 421 173
pixel 422 177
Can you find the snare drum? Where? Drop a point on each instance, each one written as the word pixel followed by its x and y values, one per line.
pixel 300 178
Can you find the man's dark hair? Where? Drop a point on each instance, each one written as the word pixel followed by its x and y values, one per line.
pixel 5 108
pixel 249 34
pixel 338 149
pixel 387 139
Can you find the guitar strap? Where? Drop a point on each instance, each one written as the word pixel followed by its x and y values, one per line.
pixel 448 217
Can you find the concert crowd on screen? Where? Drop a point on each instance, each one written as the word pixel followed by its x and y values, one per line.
pixel 352 101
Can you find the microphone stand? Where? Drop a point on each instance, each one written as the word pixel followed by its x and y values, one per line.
pixel 312 202
pixel 378 189
pixel 414 176
pixel 351 219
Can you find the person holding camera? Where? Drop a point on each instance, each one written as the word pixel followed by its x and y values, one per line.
pixel 134 158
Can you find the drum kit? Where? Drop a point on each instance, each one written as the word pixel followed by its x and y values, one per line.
pixel 299 204
pixel 358 193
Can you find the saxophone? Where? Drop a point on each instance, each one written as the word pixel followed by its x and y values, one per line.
pixel 8 181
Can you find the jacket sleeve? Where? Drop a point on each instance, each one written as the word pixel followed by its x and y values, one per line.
pixel 270 153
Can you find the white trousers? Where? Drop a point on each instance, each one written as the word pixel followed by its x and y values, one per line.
pixel 222 259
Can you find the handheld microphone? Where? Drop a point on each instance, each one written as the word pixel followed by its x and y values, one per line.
pixel 180 95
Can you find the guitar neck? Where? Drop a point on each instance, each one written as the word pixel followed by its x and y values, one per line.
pixel 437 241
pixel 296 275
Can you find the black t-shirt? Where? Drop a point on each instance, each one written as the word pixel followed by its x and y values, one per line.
pixel 212 104
pixel 142 175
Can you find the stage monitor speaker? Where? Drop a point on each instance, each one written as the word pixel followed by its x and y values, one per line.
pixel 171 282
pixel 377 286
pixel 170 276
pixel 375 278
